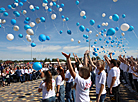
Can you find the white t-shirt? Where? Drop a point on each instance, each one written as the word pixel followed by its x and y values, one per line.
pixel 23 71
pixel 47 94
pixel 44 69
pixel 59 80
pixel 130 70
pixel 108 69
pixel 121 65
pixel 26 71
pixel 134 77
pixel 114 72
pixel 76 71
pixel 68 75
pixel 82 89
pixel 100 79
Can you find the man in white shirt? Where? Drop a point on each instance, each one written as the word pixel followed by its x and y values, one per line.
pixel 113 81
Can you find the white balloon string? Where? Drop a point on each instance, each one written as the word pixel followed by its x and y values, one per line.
pixel 55 27
pixel 78 7
pixel 67 26
pixel 94 29
pixel 40 50
pixel 135 34
pixel 28 2
pixel 25 42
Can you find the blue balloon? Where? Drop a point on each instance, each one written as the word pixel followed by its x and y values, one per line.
pixel 0 26
pixel 77 23
pixel 67 18
pixel 100 39
pixel 87 36
pixel 42 37
pixel 54 3
pixel 49 9
pixel 87 29
pixel 5 14
pixel 20 36
pixel 115 17
pixel 112 41
pixel 37 66
pixel 61 32
pixel 96 54
pixel 99 26
pixel 111 45
pixel 13 21
pixel 27 27
pixel 94 49
pixel 104 30
pixel 33 9
pixel 27 19
pixel 33 44
pixel 37 8
pixel 102 34
pixel 84 17
pixel 110 38
pixel 95 42
pixel 23 0
pixel 87 40
pixel 17 14
pixel 16 1
pixel 123 45
pixel 107 42
pixel 45 1
pixel 2 10
pixel 82 28
pixel 97 48
pixel 26 22
pixel 131 28
pixel 13 5
pixel 123 16
pixel 110 32
pixel 92 22
pixel 93 53
pixel 47 38
pixel 84 36
pixel 77 2
pixel 62 16
pixel 69 32
pixel 113 53
pixel 116 28
pixel 101 46
pixel 9 7
pixel 20 4
pixel 57 6
pixel 62 5
pixel 42 19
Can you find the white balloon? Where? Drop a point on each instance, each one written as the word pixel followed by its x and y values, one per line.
pixel 103 24
pixel 3 21
pixel 90 31
pixel 82 13
pixel 100 33
pixel 29 39
pixel 95 39
pixel 32 24
pixel 106 24
pixel 64 19
pixel 110 17
pixel 31 7
pixel 93 46
pixel 16 28
pixel 51 3
pixel 123 34
pixel 115 0
pixel 0 21
pixel 44 4
pixel 72 39
pixel 16 4
pixel 53 16
pixel 124 27
pixel 96 35
pixel 24 11
pixel 103 15
pixel 30 32
pixel 27 36
pixel 54 0
pixel 60 9
pixel 79 41
pixel 46 7
pixel 10 37
pixel 104 35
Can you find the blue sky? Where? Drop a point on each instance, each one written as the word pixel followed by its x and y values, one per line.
pixel 20 48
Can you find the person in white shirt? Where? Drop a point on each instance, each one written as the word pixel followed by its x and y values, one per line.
pixel 60 84
pixel 47 87
pixel 113 81
pixel 100 81
pixel 82 80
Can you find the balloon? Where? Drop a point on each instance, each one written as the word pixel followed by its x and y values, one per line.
pixel 13 21
pixel 82 28
pixel 77 2
pixel 37 20
pixel 123 16
pixel 131 28
pixel 62 5
pixel 103 24
pixel 0 26
pixel 20 4
pixel 110 17
pixel 42 19
pixel 27 19
pixel 110 32
pixel 103 15
pixel 100 39
pixel 92 46
pixel 3 21
pixel 72 39
pixel 9 7
pixel 99 26
pixel 77 23
pixel 46 7
pixel 49 9
pixel 92 22
pixel 87 29
pixel 23 0
pixel 29 39
pixel 100 33
pixel 104 30
pixel 113 53
pixel 47 38
pixel 115 0
pixel 95 39
pixel 87 40
pixel 31 7
pixel 45 1
pixel 79 42
pixel 37 66
pixel 62 16
pixel 33 44
pixel 20 36
pixel 124 27
pixel 17 14
pixel 104 35
pixel 10 37
pixel 16 1
pixel 16 4
pixel 26 22
pixel 69 32
pixel 61 32
pixel 42 37
pixel 110 38
pixel 24 11
pixel 123 34
pixel 107 42
pixel 2 10
pixel 64 19
pixel 116 28
pixel 90 31
pixel 57 6
pixel 27 27
pixel 51 3
pixel 106 24
pixel 84 17
pixel 82 13
pixel 32 24
pixel 53 16
pixel 60 9
pixel 101 46
pixel 5 14
pixel 87 36
pixel 27 36
pixel 37 8
pixel 67 18
pixel 16 28
pixel 115 17
pixel 96 35
pixel 13 5
pixel 95 42
pixel 84 36
pixel 54 3
pixel 30 32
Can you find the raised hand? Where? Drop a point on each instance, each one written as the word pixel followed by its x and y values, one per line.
pixel 67 56
pixel 57 59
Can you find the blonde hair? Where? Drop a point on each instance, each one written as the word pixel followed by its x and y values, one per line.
pixel 102 63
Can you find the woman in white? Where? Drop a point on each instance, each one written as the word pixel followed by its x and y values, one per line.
pixel 47 86
pixel 100 81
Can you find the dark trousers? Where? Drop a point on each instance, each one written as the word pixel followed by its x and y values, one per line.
pixel 131 79
pixel 136 84
pixel 114 97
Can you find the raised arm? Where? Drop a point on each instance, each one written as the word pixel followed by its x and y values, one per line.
pixel 72 72
pixel 58 61
pixel 122 59
pixel 107 60
pixel 85 58
pixel 135 63
pixel 75 57
pixel 91 62
pixel 78 59
pixel 111 57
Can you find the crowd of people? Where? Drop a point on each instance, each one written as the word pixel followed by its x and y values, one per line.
pixel 76 79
